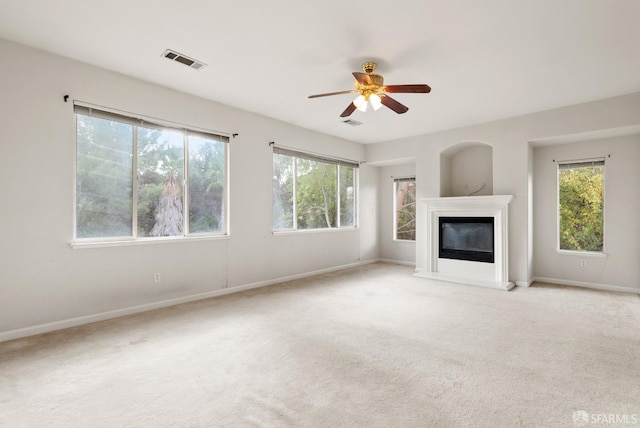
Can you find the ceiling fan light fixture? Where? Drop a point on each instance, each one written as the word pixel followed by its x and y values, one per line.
pixel 376 102
pixel 361 103
pixel 371 87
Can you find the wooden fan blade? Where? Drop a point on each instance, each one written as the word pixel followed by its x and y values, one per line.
pixel 393 104
pixel 332 93
pixel 408 89
pixel 350 109
pixel 363 78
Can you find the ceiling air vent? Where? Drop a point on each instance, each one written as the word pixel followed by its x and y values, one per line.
pixel 352 122
pixel 183 59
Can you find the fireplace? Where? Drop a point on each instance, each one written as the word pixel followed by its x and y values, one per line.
pixel 466 238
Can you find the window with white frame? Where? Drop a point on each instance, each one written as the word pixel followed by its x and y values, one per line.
pixel 312 191
pixel 136 179
pixel 581 205
pixel 404 212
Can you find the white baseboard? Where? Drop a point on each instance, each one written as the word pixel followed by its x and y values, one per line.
pixel 102 316
pixel 496 285
pixel 397 262
pixel 583 284
pixel 524 283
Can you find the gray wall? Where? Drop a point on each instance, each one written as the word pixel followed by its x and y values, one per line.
pixel 620 267
pixel 511 141
pixel 43 280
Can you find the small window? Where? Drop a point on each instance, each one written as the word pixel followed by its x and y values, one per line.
pixel 312 192
pixel 581 205
pixel 137 179
pixel 404 213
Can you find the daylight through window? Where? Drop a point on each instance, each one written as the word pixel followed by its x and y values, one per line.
pixel 404 218
pixel 581 205
pixel 312 192
pixel 136 179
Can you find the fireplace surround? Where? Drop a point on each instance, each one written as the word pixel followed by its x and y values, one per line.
pixel 476 212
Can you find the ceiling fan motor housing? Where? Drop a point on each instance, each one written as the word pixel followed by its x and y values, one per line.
pixel 368 67
pixel 375 79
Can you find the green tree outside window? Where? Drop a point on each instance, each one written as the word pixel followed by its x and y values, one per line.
pixel 166 159
pixel 311 192
pixel 581 206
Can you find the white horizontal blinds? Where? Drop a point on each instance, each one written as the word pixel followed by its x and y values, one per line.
pixel 101 114
pixel 214 137
pixel 88 110
pixel 590 163
pixel 315 157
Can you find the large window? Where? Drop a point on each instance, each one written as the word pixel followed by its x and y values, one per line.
pixel 136 179
pixel 312 192
pixel 404 213
pixel 581 205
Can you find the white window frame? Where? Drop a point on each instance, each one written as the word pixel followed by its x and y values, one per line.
pixel 137 120
pixel 296 154
pixel 395 182
pixel 567 164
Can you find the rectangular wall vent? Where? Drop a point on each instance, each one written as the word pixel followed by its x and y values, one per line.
pixel 183 59
pixel 352 122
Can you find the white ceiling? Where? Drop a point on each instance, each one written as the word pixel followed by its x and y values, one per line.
pixel 484 60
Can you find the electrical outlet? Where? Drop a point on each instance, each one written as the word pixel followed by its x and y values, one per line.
pixel 583 262
pixel 157 277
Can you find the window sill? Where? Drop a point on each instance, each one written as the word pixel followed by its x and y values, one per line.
pixel 312 231
pixel 582 253
pixel 408 241
pixel 79 245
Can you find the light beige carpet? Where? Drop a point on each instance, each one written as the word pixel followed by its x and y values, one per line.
pixel 366 347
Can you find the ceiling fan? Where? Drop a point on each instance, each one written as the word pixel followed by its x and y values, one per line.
pixel 371 88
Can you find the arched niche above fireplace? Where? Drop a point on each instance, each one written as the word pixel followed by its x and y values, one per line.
pixel 466 169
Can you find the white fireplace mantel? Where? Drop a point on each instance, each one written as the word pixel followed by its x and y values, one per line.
pixel 493 275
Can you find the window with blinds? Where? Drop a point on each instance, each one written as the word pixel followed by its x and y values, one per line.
pixel 581 205
pixel 313 191
pixel 404 213
pixel 142 179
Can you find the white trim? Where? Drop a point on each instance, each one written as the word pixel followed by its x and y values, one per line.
pixel 604 210
pixel 394 194
pixel 134 185
pixel 303 231
pixel 497 285
pixel 526 283
pixel 186 133
pixel 592 285
pixel 598 254
pixel 398 262
pixel 483 274
pixel 78 245
pixel 226 198
pixel 102 316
